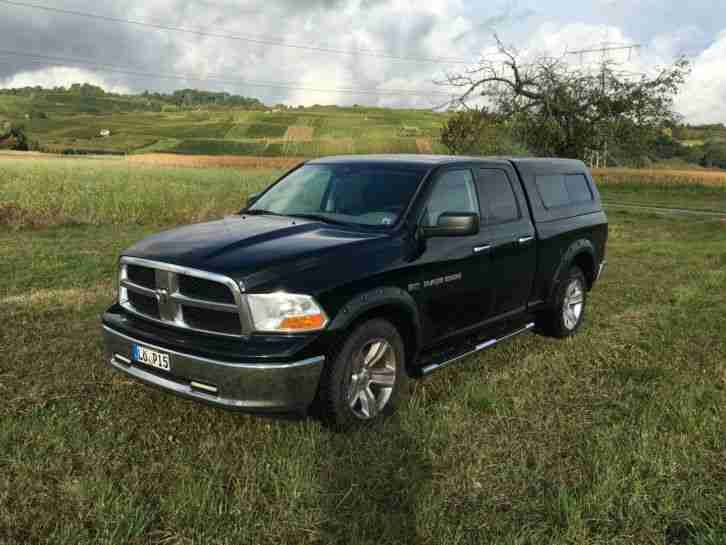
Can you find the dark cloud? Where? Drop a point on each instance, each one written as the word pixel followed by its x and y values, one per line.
pixel 338 24
pixel 55 35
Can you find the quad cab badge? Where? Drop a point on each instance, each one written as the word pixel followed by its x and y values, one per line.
pixel 440 281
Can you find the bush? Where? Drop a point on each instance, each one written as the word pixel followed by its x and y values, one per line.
pixel 14 139
pixel 477 132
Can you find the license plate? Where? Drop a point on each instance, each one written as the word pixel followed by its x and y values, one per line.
pixel 152 358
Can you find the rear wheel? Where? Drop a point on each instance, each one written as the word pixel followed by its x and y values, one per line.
pixel 567 315
pixel 363 380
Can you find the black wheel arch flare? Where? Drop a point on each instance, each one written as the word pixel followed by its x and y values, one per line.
pixel 388 302
pixel 581 251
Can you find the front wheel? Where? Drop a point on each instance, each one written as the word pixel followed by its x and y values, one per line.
pixel 363 380
pixel 567 315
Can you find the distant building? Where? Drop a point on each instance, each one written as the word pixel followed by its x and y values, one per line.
pixel 105 132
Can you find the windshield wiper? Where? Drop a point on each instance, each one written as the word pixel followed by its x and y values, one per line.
pixel 260 213
pixel 318 217
pixel 321 217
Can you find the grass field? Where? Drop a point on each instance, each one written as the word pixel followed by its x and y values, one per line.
pixel 615 436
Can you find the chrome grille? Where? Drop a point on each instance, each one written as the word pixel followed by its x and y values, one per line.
pixel 183 297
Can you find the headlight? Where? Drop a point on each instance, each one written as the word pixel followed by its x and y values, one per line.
pixel 286 312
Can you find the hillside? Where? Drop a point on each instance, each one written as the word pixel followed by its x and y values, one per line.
pixel 194 122
pixel 197 122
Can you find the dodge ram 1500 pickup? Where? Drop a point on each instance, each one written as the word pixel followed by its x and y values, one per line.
pixel 349 276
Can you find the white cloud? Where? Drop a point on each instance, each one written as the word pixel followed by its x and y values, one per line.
pixel 703 99
pixel 60 77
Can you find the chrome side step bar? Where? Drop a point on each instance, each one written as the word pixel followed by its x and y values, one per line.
pixel 479 347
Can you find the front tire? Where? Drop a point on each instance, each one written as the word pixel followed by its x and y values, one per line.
pixel 565 318
pixel 363 379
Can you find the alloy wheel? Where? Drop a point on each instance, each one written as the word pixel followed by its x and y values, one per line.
pixel 573 304
pixel 373 378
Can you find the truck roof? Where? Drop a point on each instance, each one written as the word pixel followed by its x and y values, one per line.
pixel 436 160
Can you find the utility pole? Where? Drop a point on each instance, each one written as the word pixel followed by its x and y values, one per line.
pixel 605 49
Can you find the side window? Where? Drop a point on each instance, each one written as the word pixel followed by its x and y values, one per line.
pixel 563 189
pixel 454 192
pixel 498 203
pixel 577 188
pixel 553 190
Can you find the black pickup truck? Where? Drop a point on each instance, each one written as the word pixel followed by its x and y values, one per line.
pixel 349 275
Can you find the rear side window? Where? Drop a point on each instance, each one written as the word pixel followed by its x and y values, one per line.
pixel 577 188
pixel 563 189
pixel 498 203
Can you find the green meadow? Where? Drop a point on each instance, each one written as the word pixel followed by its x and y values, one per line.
pixel 615 436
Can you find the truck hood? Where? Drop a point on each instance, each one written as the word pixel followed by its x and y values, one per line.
pixel 240 246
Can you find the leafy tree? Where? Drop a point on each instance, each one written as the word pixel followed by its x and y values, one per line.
pixel 557 109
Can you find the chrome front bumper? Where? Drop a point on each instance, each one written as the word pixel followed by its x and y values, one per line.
pixel 275 387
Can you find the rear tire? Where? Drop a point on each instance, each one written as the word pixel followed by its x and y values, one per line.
pixel 363 379
pixel 565 318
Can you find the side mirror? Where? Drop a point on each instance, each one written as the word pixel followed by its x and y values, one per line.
pixel 454 224
pixel 252 199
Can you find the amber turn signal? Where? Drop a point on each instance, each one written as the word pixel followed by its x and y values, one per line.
pixel 303 323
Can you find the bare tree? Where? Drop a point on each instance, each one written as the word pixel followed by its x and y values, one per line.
pixel 556 109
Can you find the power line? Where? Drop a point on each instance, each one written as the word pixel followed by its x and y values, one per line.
pixel 248 39
pixel 63 61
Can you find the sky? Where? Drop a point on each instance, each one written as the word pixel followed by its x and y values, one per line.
pixel 397 48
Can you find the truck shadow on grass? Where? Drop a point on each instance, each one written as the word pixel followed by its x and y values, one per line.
pixel 371 482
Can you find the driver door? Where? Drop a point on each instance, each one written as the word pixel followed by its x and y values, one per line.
pixel 452 284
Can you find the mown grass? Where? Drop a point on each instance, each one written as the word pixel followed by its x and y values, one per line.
pixel 697 189
pixel 614 436
pixel 47 192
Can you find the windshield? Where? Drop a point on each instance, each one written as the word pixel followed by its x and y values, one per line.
pixel 360 194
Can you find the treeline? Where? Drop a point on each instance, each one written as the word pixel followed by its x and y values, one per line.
pixel 190 98
pixel 704 145
pixel 182 99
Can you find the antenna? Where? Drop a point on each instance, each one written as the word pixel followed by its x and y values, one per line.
pixel 598 157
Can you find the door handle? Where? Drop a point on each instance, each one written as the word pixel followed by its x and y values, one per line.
pixel 525 240
pixel 481 249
